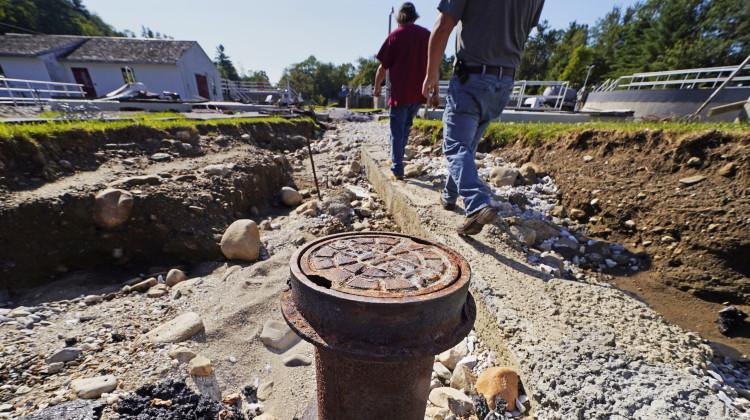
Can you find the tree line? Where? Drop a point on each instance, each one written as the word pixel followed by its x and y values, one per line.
pixel 655 35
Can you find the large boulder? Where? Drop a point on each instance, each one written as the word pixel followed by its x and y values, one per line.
pixel 241 241
pixel 529 173
pixel 290 197
pixel 502 177
pixel 544 230
pixel 93 387
pixel 112 207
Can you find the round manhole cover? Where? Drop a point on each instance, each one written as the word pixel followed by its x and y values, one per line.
pixel 380 265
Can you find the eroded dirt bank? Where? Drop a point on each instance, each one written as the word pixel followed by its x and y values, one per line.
pixel 180 205
pixel 681 203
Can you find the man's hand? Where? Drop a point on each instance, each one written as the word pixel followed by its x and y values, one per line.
pixel 435 100
pixel 376 92
pixel 430 88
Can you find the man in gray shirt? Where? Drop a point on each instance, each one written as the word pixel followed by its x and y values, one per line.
pixel 490 39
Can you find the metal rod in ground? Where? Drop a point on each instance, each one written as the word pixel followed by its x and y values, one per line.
pixel 312 162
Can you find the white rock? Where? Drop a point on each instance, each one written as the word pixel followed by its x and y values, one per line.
pixel 264 390
pixel 220 170
pixel 470 361
pixel 241 241
pixel 463 379
pixel 177 330
pixel 442 371
pixel 452 399
pixel 200 366
pixel 93 387
pixel 290 197
pixel 278 335
pixel 183 354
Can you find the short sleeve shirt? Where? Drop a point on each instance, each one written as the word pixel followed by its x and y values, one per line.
pixel 492 32
pixel 404 53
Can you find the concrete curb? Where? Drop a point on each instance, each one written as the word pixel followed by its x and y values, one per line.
pixel 580 349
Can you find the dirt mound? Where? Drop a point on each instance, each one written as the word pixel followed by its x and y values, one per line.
pixel 179 211
pixel 682 202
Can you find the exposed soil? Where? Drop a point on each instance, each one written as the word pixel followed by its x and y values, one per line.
pixel 46 219
pixel 696 238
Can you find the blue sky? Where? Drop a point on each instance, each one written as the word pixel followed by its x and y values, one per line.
pixel 271 35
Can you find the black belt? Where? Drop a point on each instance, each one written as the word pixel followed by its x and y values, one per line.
pixel 495 71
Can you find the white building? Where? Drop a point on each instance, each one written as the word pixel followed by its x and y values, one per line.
pixel 103 64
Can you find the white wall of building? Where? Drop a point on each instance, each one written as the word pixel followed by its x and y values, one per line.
pixel 107 77
pixel 195 61
pixel 25 68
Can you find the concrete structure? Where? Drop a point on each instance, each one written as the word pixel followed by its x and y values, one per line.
pixel 545 116
pixel 661 103
pixel 103 64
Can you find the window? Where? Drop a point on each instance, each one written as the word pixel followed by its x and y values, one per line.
pixel 127 75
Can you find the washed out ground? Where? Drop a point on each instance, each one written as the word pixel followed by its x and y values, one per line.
pixel 635 189
pixel 235 299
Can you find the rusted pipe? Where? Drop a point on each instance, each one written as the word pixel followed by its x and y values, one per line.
pixel 378 307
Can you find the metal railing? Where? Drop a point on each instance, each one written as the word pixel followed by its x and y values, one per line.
pixel 710 77
pixel 242 91
pixel 521 99
pixel 20 91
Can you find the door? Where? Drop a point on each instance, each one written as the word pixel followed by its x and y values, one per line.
pixel 82 78
pixel 202 82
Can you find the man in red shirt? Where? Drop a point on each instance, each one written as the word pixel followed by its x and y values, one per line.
pixel 404 53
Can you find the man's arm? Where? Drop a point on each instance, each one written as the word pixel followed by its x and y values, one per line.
pixel 379 78
pixel 438 41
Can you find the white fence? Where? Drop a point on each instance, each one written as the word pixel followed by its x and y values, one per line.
pixel 710 77
pixel 19 91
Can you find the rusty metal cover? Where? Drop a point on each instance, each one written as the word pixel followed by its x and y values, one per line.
pixel 379 295
pixel 380 265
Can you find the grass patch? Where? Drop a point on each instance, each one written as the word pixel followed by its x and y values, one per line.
pixel 160 120
pixel 533 134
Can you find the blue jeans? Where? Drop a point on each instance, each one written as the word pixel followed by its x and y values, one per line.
pixel 401 119
pixel 469 108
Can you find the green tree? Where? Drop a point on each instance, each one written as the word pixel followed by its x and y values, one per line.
pixel 225 65
pixel 61 17
pixel 538 52
pixel 256 76
pixel 146 32
pixel 317 81
pixel 574 37
pixel 365 72
pixel 575 71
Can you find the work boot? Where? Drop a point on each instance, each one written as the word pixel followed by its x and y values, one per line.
pixel 395 177
pixel 476 221
pixel 446 205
